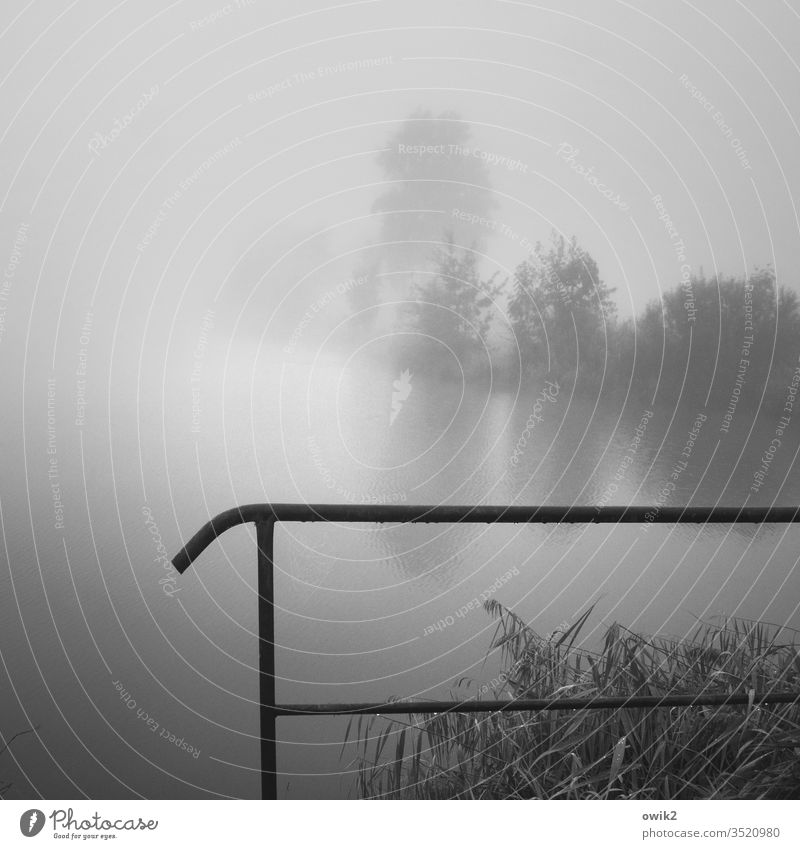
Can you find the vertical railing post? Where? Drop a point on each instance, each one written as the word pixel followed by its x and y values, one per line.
pixel 265 537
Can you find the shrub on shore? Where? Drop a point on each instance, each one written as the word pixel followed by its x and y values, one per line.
pixel 748 751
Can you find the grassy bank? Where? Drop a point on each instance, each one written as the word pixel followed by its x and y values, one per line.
pixel 746 751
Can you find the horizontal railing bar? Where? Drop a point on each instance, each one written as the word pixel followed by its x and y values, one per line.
pixel 265 516
pixel 454 514
pixel 506 705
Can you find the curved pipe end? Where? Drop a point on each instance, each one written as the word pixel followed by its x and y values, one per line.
pixel 182 560
pixel 216 526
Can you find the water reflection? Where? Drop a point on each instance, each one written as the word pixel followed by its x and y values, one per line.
pixel 356 603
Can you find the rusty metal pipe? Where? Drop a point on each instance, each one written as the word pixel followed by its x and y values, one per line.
pixel 266 515
pixel 403 513
pixel 522 705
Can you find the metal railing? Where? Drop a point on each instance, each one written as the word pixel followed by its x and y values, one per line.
pixel 264 516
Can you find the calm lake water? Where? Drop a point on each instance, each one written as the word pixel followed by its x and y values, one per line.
pixel 356 604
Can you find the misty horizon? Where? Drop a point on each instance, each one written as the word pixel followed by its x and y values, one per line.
pixel 372 256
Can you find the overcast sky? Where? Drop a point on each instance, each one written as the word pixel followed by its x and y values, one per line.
pixel 180 183
pixel 696 103
pixel 163 163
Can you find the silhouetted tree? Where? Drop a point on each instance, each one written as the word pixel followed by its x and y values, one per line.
pixel 708 336
pixel 429 180
pixel 454 311
pixel 562 313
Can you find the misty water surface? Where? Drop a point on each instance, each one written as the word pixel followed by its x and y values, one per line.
pixel 364 612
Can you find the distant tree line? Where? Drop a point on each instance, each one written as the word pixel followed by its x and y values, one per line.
pixel 706 341
pixel 741 343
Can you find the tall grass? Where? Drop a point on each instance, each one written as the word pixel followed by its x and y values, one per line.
pixel 742 751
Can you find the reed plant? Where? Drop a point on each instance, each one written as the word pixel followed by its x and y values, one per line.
pixel 748 751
